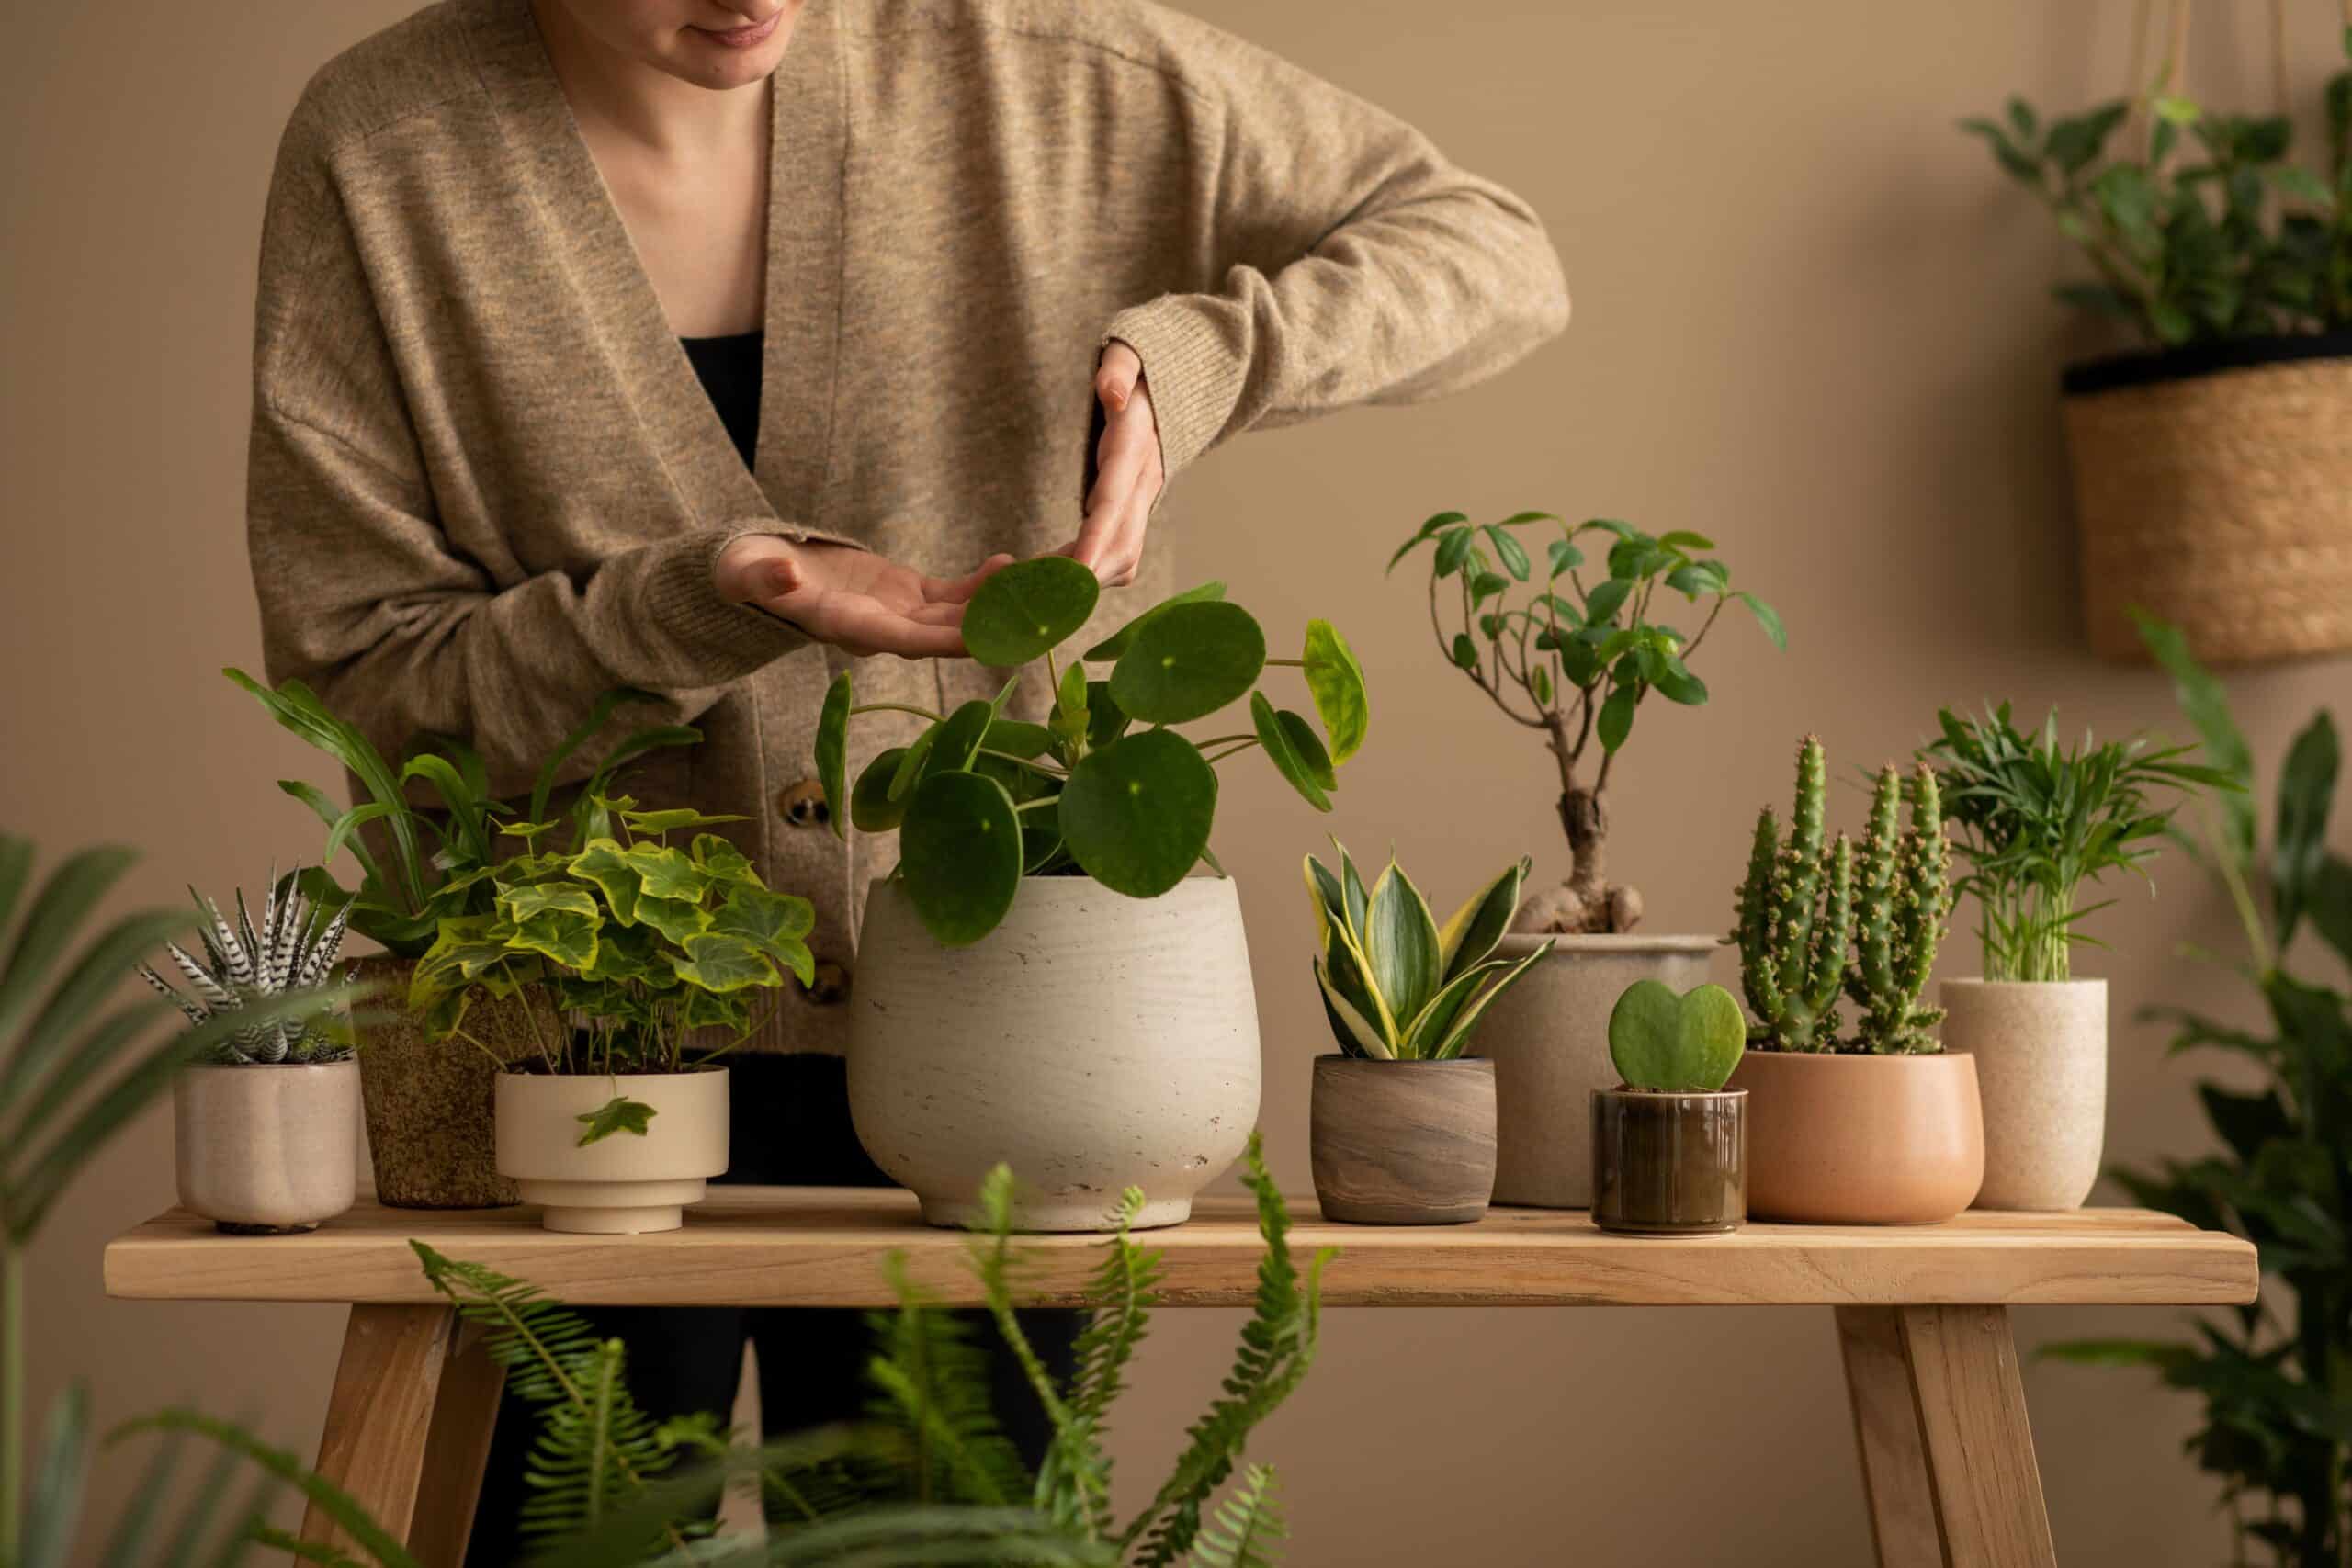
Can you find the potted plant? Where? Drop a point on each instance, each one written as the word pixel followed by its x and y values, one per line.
pixel 429 1107
pixel 1403 1123
pixel 1882 1128
pixel 1669 1142
pixel 654 952
pixel 1042 981
pixel 266 1121
pixel 2210 481
pixel 1571 654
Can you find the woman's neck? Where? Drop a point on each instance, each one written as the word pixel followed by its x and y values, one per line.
pixel 617 95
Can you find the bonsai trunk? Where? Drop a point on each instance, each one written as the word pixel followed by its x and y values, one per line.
pixel 1587 903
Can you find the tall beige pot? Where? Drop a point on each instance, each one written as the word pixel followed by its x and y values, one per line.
pixel 2041 1050
pixel 262 1149
pixel 1548 1037
pixel 1092 1042
pixel 429 1103
pixel 625 1183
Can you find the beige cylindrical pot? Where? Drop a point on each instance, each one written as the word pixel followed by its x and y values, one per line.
pixel 1091 1042
pixel 624 1183
pixel 2041 1050
pixel 428 1102
pixel 1548 1037
pixel 264 1149
pixel 1861 1140
pixel 1402 1142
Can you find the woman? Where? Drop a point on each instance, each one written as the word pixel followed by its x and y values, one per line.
pixel 707 346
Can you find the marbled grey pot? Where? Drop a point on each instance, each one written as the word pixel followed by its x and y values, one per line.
pixel 1402 1142
pixel 1669 1164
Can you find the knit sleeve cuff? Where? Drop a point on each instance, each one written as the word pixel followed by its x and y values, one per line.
pixel 728 641
pixel 1193 367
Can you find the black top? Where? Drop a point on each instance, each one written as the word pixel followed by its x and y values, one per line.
pixel 728 368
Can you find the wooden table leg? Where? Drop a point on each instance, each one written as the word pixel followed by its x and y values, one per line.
pixel 382 1413
pixel 1952 1478
pixel 457 1446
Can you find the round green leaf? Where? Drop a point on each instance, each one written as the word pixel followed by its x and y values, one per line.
pixel 1016 738
pixel 832 751
pixel 870 805
pixel 909 770
pixel 959 739
pixel 1335 680
pixel 1028 607
pixel 1308 773
pixel 1137 814
pixel 1110 646
pixel 1187 661
pixel 959 853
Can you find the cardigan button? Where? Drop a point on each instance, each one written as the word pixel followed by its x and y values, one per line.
pixel 831 986
pixel 803 805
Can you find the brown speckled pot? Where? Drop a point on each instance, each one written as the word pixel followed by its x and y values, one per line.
pixel 1402 1142
pixel 1857 1140
pixel 429 1104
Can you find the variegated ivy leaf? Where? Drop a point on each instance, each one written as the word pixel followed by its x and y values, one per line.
pixel 720 960
pixel 532 900
pixel 676 918
pixel 722 859
pixel 564 935
pixel 763 916
pixel 604 864
pixel 672 819
pixel 665 873
pixel 618 1115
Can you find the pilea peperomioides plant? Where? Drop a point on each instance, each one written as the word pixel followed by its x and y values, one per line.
pixel 979 800
pixel 1575 668
pixel 1809 933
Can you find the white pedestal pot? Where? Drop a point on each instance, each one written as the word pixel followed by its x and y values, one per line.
pixel 1092 1042
pixel 625 1183
pixel 2041 1050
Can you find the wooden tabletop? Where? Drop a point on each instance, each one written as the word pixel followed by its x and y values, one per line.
pixel 825 1247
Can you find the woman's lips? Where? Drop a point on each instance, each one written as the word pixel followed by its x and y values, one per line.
pixel 745 37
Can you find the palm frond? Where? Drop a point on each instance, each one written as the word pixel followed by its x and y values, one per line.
pixel 282 1469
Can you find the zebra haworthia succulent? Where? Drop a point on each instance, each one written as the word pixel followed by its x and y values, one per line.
pixel 291 949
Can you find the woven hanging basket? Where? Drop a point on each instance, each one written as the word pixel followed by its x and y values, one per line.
pixel 2213 488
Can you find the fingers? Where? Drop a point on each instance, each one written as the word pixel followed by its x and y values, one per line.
pixel 863 626
pixel 955 590
pixel 1116 378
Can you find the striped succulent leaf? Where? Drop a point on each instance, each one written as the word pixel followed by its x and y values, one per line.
pixel 292 947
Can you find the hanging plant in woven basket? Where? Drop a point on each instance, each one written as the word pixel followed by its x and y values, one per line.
pixel 2213 469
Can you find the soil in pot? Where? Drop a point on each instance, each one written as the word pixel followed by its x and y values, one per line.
pixel 264 1149
pixel 2040 1052
pixel 429 1103
pixel 1402 1142
pixel 1668 1162
pixel 1861 1140
pixel 625 1183
pixel 1548 1037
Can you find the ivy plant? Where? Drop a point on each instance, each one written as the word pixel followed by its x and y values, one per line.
pixel 2203 230
pixel 1103 788
pixel 1574 661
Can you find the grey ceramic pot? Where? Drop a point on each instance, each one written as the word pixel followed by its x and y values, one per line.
pixel 1666 1164
pixel 1402 1142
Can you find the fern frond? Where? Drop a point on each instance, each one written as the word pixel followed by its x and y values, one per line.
pixel 539 1341
pixel 931 1537
pixel 932 1386
pixel 1249 1529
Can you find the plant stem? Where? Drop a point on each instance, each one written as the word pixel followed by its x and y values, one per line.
pixel 896 707
pixel 12 1393
pixel 1029 762
pixel 1290 663
pixel 1230 751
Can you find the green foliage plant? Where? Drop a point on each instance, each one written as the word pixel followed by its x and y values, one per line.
pixel 1104 788
pixel 292 949
pixel 2203 230
pixel 1665 1044
pixel 2275 1375
pixel 1814 926
pixel 1396 986
pixel 1574 662
pixel 437 860
pixel 2038 820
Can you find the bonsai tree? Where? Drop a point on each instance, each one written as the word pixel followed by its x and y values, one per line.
pixel 979 800
pixel 1575 666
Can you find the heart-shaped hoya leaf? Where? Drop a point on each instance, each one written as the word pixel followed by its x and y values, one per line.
pixel 1187 661
pixel 1027 607
pixel 959 850
pixel 1137 814
pixel 1688 1043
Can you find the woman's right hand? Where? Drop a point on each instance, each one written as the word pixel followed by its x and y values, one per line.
pixel 852 599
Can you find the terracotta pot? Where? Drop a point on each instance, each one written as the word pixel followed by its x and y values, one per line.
pixel 2041 1050
pixel 1548 1037
pixel 1402 1142
pixel 429 1103
pixel 1668 1164
pixel 1092 1042
pixel 262 1150
pixel 624 1183
pixel 1856 1140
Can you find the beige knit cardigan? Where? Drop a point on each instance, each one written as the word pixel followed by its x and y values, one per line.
pixel 486 485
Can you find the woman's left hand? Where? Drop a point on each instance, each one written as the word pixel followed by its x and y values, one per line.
pixel 1128 472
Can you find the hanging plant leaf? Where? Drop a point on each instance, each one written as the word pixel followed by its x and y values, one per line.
pixel 1309 772
pixel 1335 680
pixel 1110 646
pixel 870 805
pixel 1187 661
pixel 833 752
pixel 1137 814
pixel 618 1115
pixel 1028 607
pixel 1016 738
pixel 959 853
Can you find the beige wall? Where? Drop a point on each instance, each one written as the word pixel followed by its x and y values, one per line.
pixel 1808 321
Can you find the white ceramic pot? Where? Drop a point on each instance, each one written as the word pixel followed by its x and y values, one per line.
pixel 1548 1036
pixel 262 1149
pixel 1092 1042
pixel 2041 1050
pixel 624 1183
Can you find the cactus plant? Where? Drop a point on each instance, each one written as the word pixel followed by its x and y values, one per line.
pixel 1900 909
pixel 290 950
